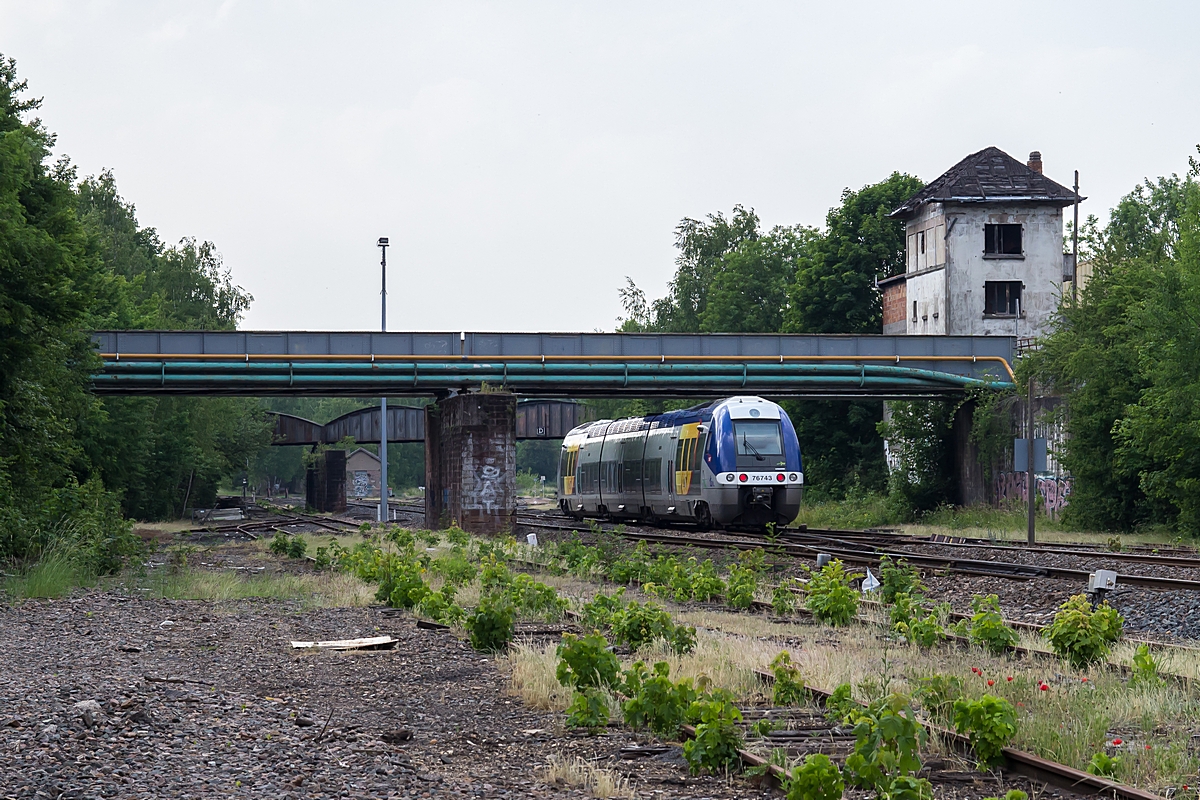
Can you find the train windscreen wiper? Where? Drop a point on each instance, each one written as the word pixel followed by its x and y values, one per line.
pixel 746 444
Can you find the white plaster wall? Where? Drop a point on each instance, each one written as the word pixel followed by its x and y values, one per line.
pixel 928 291
pixel 967 270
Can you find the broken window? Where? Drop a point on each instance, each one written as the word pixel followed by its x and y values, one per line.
pixel 1002 240
pixel 1002 297
pixel 921 240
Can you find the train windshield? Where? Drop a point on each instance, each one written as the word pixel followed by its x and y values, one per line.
pixel 758 437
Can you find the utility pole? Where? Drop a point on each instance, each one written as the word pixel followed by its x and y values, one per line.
pixel 383 479
pixel 1075 246
pixel 1030 482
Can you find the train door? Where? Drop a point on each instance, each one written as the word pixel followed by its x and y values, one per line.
pixel 687 460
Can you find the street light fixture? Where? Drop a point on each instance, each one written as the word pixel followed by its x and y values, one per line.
pixel 383 479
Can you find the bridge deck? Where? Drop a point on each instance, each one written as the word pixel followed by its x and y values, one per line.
pixel 258 363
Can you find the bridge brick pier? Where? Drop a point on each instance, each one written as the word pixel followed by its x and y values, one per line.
pixel 471 462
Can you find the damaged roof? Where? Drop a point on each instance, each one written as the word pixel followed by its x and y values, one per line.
pixel 990 175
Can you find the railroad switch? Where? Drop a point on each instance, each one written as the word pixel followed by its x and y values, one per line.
pixel 1100 583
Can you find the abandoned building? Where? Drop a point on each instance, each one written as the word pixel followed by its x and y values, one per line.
pixel 984 251
pixel 362 474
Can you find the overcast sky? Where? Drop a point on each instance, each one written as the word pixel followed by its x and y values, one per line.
pixel 525 157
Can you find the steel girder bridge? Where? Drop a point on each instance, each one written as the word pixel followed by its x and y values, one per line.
pixel 325 364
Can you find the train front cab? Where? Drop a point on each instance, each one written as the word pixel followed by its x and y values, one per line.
pixel 753 472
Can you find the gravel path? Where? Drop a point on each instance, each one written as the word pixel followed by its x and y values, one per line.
pixel 82 716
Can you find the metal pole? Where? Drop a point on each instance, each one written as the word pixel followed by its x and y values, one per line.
pixel 1030 483
pixel 383 436
pixel 1075 245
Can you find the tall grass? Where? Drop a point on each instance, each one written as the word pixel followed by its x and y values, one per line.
pixel 320 589
pixel 60 568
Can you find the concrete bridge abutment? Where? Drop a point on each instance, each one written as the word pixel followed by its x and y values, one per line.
pixel 471 462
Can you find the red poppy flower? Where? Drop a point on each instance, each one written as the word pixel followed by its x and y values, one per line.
pixel 1118 741
pixel 1044 688
pixel 991 682
pixel 1010 678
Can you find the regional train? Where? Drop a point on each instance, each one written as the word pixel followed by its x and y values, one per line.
pixel 732 463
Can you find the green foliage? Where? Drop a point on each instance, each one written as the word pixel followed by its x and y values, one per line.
pixel 457 536
pixel 897 578
pixel 986 627
pixel 830 596
pixel 989 722
pixel 455 568
pixel 1011 794
pixel 1082 635
pixel 817 778
pixel 840 707
pixel 589 709
pixel 739 592
pixel 1145 668
pixel 691 580
pixel 918 436
pixel 655 701
pixel 718 737
pixel 586 661
pixel 279 543
pixel 783 599
pixel 440 607
pixel 887 743
pixel 1104 765
pixel 491 623
pixel 923 631
pixel 323 559
pixel 938 694
pixel 599 613
pixel 401 579
pixel 1124 358
pixel 637 625
pixel 297 547
pixel 534 598
pixel 788 689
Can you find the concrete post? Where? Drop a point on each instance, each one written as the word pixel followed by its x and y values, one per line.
pixel 470 462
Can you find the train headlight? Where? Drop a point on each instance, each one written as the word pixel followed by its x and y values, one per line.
pixel 793 477
pixel 743 477
pixel 729 478
pixel 779 477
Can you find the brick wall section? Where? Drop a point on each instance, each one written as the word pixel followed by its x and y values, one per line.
pixel 471 462
pixel 895 303
pixel 325 483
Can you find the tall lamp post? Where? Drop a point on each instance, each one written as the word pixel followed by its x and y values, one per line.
pixel 383 479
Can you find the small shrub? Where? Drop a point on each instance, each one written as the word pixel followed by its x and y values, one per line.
pixel 887 743
pixel 655 701
pixel 586 661
pixel 906 787
pixel 491 624
pixel 989 722
pixel 905 608
pixel 718 738
pixel 987 628
pixel 297 547
pixel 588 710
pixel 739 592
pixel 1011 794
pixel 682 639
pixel 493 572
pixel 783 600
pixel 440 607
pixel 817 778
pixel 323 559
pixel 840 707
pixel 1145 669
pixel 938 693
pixel 637 625
pixel 600 611
pixel 789 686
pixel 924 632
pixel 692 580
pixel 831 598
pixel 457 536
pixel 1082 635
pixel 535 598
pixel 1104 765
pixel 455 568
pixel 897 578
pixel 279 543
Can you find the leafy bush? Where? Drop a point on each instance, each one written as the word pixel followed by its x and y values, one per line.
pixel 831 599
pixel 788 689
pixel 887 743
pixel 924 631
pixel 279 543
pixel 906 787
pixel 455 568
pixel 297 547
pixel 691 580
pixel 588 710
pixel 938 693
pixel 897 578
pixel 401 580
pixel 457 536
pixel 440 607
pixel 739 592
pixel 783 600
pixel 905 608
pixel 491 624
pixel 1011 794
pixel 637 625
pixel 586 661
pixel 655 701
pixel 986 627
pixel 1082 635
pixel 840 707
pixel 1145 668
pixel 718 738
pixel 989 722
pixel 817 778
pixel 682 639
pixel 493 572
pixel 534 598
pixel 323 559
pixel 1104 765
pixel 600 611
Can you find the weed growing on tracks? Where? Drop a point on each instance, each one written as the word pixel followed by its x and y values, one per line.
pixel 575 772
pixel 321 589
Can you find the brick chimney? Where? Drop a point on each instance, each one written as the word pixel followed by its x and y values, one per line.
pixel 1035 162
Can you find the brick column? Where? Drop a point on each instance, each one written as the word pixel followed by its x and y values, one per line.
pixel 471 450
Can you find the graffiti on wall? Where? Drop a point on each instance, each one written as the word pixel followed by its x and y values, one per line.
pixel 1055 492
pixel 362 483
